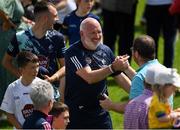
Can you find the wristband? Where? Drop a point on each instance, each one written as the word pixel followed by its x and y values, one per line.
pixel 110 68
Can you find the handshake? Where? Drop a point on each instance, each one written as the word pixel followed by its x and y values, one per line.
pixel 120 63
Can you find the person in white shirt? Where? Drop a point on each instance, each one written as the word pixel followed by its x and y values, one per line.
pixel 17 103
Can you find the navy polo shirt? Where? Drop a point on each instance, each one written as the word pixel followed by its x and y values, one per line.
pixel 81 97
pixel 48 48
pixel 37 120
pixel 71 26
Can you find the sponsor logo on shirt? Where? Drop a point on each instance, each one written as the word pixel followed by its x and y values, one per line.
pixel 43 61
pixel 27 110
pixel 16 97
pixel 88 60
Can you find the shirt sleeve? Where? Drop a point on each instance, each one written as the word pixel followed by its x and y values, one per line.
pixel 61 48
pixel 136 87
pixel 45 126
pixel 75 60
pixel 8 101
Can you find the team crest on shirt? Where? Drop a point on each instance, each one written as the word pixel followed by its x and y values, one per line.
pixel 88 60
pixel 50 48
pixel 103 61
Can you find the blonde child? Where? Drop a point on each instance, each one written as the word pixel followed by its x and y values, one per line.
pixel 160 114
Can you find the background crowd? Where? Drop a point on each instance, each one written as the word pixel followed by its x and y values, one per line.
pixel 62 51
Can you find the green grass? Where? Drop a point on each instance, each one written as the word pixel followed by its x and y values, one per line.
pixel 117 94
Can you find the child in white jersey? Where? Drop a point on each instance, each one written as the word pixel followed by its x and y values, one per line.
pixel 17 102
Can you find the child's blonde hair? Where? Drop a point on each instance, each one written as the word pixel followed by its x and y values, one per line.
pixel 159 90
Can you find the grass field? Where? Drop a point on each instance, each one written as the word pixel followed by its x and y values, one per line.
pixel 117 94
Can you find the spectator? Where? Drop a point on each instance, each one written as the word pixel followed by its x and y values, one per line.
pixel 160 113
pixel 41 40
pixel 166 24
pixel 69 6
pixel 64 7
pixel 72 21
pixel 17 103
pixel 175 10
pixel 60 113
pixel 11 13
pixel 143 53
pixel 136 112
pixel 42 98
pixel 88 63
pixel 29 9
pixel 118 20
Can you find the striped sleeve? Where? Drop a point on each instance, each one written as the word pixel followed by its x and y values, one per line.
pixel 46 126
pixel 76 62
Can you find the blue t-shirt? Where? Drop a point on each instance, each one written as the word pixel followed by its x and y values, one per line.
pixel 81 97
pixel 137 84
pixel 71 26
pixel 48 49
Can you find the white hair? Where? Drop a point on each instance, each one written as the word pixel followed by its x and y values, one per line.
pixel 41 93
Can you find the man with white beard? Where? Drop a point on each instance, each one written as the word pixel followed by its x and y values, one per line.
pixel 88 64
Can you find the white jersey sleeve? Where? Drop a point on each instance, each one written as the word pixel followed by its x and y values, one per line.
pixel 8 101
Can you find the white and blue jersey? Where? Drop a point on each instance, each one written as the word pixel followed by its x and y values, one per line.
pixel 71 26
pixel 48 48
pixel 81 97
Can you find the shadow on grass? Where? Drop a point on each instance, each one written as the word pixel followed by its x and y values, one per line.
pixel 111 83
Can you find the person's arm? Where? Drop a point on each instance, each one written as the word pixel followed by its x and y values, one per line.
pixel 112 106
pixel 94 76
pixel 7 62
pixel 62 79
pixel 59 74
pixel 12 119
pixel 8 106
pixel 7 23
pixel 123 81
pixel 172 116
pixel 130 72
pixel 61 5
pixel 27 21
